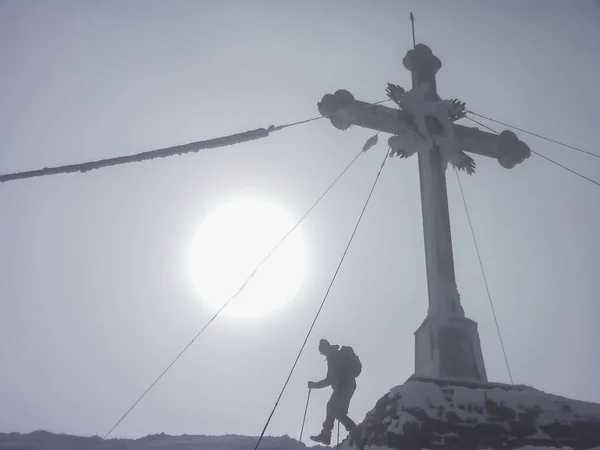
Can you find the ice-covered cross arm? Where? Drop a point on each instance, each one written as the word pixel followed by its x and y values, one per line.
pixel 343 110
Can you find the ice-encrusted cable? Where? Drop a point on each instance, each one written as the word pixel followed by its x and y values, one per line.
pixel 192 147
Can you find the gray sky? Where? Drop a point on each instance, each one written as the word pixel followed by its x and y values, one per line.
pixel 94 286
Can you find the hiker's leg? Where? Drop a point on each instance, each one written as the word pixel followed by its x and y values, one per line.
pixel 348 423
pixel 330 414
pixel 324 437
pixel 342 404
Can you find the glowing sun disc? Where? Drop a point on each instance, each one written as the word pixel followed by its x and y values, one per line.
pixel 228 246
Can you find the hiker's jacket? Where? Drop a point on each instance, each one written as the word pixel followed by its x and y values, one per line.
pixel 336 377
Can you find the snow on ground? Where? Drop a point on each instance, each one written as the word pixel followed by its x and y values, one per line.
pixel 468 403
pixel 425 413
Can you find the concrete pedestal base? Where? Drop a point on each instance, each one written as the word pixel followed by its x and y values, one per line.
pixel 448 347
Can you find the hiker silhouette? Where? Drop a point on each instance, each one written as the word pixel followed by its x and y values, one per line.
pixel 343 366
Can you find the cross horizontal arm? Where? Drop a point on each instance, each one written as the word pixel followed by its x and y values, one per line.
pixel 343 110
pixel 505 147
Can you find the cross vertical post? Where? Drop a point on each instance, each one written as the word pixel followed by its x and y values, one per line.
pixel 441 279
pixel 447 343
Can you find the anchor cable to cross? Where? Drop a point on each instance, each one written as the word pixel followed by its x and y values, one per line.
pixel 534 134
pixel 487 287
pixel 312 325
pixel 540 155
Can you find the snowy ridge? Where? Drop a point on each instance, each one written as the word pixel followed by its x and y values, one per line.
pixel 43 440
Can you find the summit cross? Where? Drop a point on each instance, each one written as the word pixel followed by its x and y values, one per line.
pixel 447 343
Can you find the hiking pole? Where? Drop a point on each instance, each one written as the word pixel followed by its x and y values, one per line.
pixel 338 434
pixel 305 411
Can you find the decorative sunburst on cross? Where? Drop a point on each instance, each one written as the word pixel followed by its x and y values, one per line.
pixel 432 121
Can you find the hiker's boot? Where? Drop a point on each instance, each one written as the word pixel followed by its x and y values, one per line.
pixel 323 438
pixel 355 435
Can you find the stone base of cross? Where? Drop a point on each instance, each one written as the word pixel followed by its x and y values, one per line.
pixel 447 343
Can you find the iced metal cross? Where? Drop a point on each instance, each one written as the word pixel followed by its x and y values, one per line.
pixel 447 343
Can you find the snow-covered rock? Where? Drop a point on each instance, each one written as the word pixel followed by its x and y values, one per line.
pixel 436 414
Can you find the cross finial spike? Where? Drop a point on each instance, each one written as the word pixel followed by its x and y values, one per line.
pixel 412 20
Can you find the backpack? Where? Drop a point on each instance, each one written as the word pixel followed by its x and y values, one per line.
pixel 351 363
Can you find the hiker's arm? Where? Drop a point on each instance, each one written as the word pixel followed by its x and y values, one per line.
pixel 323 383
